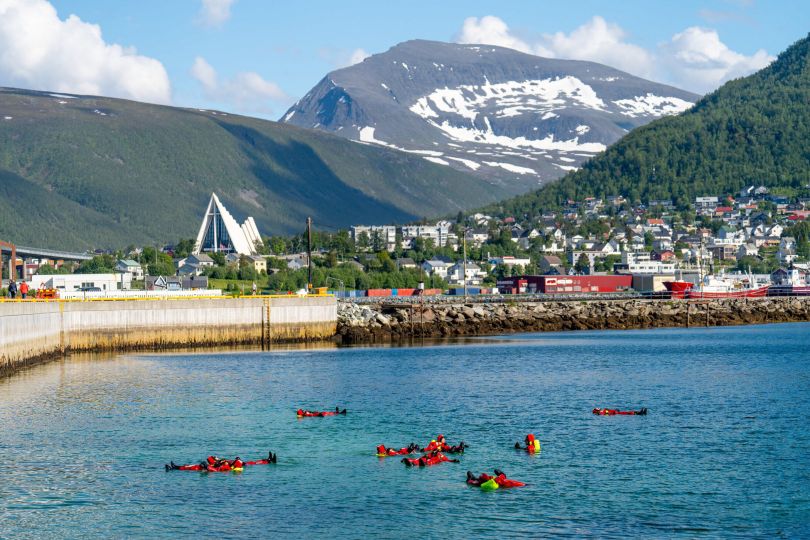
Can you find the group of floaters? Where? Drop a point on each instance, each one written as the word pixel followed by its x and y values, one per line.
pixel 435 453
pixel 439 444
pixel 432 454
pixel 215 464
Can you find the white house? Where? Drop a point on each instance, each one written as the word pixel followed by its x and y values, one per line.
pixel 747 250
pixel 510 261
pixel 787 250
pixel 456 273
pixel 477 237
pixel 128 266
pixel 436 267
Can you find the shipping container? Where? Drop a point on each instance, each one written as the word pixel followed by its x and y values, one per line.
pixel 647 283
pixel 460 291
pixel 405 292
pixel 379 292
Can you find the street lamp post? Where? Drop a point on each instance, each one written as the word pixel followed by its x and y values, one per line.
pixel 464 243
pixel 342 285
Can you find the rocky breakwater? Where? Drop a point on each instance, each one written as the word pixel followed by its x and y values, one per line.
pixel 382 322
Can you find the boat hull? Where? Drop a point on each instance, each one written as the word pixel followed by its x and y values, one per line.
pixel 678 289
pixel 742 293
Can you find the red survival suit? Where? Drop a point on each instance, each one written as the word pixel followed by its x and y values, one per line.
pixel 501 480
pixel 612 412
pixel 394 452
pixel 428 460
pixel 308 414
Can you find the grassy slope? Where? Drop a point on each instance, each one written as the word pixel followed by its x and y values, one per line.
pixel 74 178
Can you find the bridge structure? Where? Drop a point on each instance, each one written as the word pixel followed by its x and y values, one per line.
pixel 15 251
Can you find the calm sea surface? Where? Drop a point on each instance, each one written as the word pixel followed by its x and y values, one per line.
pixel 724 451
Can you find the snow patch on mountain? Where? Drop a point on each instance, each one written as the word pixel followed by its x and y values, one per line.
pixel 487 136
pixel 438 160
pixel 652 105
pixel 366 135
pixel 511 168
pixel 468 162
pixel 512 97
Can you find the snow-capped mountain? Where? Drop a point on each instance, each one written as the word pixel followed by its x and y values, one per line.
pixel 517 120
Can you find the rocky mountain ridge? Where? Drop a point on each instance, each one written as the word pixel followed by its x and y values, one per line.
pixel 514 119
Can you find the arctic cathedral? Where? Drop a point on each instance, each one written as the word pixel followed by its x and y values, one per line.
pixel 220 232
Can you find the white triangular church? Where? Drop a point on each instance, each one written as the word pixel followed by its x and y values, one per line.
pixel 220 232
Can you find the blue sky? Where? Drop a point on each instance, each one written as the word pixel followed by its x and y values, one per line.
pixel 257 57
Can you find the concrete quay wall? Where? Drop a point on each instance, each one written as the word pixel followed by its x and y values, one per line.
pixel 31 332
pixel 388 322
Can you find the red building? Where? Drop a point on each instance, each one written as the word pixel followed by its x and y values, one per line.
pixel 565 284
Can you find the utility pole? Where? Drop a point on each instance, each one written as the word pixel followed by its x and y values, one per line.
pixel 309 254
pixel 464 242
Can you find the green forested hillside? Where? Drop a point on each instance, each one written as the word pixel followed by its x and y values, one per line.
pixel 81 172
pixel 754 130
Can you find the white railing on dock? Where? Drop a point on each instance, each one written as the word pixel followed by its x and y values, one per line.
pixel 99 295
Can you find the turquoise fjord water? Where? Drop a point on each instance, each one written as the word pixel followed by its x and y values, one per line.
pixel 723 451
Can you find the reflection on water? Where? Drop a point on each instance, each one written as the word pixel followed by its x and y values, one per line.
pixel 722 452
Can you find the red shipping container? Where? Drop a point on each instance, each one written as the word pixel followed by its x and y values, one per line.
pixel 379 292
pixel 432 292
pixel 405 292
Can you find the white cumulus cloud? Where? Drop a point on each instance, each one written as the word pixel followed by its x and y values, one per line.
pixel 39 50
pixel 491 30
pixel 695 59
pixel 603 42
pixel 246 92
pixel 358 55
pixel 215 12
pixel 698 59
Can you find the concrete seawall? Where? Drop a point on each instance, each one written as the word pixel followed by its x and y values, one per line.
pixel 380 323
pixel 31 332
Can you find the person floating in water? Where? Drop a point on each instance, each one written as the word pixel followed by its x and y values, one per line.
pixel 486 481
pixel 271 458
pixel 428 460
pixel 215 464
pixel 440 443
pixel 382 450
pixel 532 444
pixel 613 412
pixel 301 413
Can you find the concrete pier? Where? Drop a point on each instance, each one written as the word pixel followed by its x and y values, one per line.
pixel 31 332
